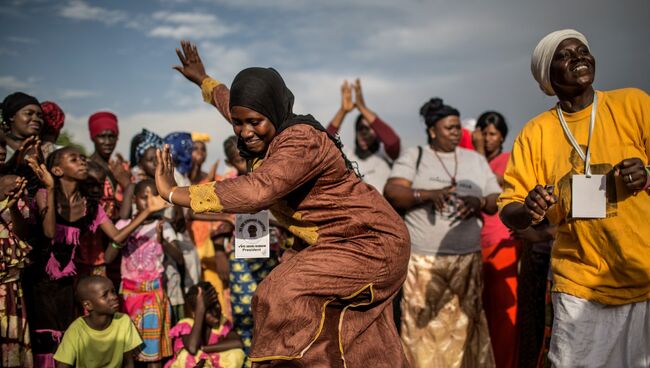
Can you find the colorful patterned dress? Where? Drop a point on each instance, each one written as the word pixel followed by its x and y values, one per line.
pixel 14 332
pixel 233 358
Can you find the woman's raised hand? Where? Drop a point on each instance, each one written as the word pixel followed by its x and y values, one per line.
pixel 12 190
pixel 41 172
pixel 358 95
pixel 165 180
pixel 191 65
pixel 346 97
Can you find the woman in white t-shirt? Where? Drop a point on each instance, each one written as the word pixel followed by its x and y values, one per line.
pixel 444 189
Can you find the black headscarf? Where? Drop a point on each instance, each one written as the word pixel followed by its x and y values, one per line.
pixel 15 102
pixel 263 90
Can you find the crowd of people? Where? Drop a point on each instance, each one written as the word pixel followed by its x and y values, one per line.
pixel 449 253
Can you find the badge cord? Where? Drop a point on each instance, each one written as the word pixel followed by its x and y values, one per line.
pixel 584 156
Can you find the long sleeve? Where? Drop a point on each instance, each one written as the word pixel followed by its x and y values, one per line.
pixel 331 129
pixel 295 157
pixel 218 95
pixel 388 137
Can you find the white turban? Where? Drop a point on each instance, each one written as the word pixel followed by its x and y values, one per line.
pixel 540 63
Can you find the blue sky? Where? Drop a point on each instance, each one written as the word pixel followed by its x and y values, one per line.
pixel 117 55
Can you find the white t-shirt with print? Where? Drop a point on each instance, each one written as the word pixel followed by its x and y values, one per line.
pixel 432 232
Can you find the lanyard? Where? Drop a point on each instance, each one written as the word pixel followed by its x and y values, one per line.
pixel 584 156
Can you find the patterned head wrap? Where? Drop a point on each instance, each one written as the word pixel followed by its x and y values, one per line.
pixel 540 63
pixel 100 121
pixel 148 140
pixel 53 118
pixel 180 145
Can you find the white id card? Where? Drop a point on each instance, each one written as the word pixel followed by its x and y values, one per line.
pixel 588 197
pixel 252 235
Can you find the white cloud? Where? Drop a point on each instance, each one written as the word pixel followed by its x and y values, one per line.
pixel 178 25
pixel 78 9
pixel 77 93
pixel 9 82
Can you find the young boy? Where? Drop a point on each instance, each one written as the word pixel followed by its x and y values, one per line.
pixel 104 337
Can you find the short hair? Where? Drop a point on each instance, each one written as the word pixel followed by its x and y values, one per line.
pixel 493 118
pixel 144 184
pixel 84 283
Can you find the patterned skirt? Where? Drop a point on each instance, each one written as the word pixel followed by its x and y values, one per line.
pixel 14 332
pixel 150 310
pixel 443 322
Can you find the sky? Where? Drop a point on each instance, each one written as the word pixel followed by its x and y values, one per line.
pixel 118 56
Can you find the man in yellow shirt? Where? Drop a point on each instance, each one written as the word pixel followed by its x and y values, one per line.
pixel 103 338
pixel 583 164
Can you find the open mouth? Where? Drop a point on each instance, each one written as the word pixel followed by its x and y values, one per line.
pixel 580 67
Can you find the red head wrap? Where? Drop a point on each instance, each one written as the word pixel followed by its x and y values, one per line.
pixel 53 117
pixel 100 121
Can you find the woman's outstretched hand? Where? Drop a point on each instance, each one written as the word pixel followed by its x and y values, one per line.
pixel 191 65
pixel 165 180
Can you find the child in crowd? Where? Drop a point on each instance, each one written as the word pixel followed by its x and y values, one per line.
pixel 15 346
pixel 103 337
pixel 206 338
pixel 66 208
pixel 142 275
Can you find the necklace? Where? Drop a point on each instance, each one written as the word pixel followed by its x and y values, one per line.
pixel 452 177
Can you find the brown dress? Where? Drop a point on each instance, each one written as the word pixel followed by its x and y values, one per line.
pixel 330 303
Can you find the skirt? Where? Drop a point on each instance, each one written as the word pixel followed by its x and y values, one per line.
pixel 443 322
pixel 150 311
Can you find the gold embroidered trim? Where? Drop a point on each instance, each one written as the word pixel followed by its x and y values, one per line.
pixel 207 85
pixel 292 221
pixel 203 198
pixel 322 323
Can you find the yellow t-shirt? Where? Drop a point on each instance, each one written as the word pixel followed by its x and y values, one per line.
pixel 83 346
pixel 602 260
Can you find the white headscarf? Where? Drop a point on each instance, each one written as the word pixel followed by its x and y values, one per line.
pixel 540 63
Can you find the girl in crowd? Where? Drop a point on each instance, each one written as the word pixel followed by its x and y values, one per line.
pixel 376 145
pixel 329 302
pixel 203 226
pixel 445 190
pixel 65 208
pixel 142 271
pixel 500 251
pixel 180 145
pixel 14 334
pixel 205 335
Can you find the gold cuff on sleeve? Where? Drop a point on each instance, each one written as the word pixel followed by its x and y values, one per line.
pixel 207 85
pixel 203 198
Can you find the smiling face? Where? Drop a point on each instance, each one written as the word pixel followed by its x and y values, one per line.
pixel 105 143
pixel 573 68
pixel 27 122
pixel 445 133
pixel 253 128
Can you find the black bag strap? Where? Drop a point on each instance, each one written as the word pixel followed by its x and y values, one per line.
pixel 417 162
